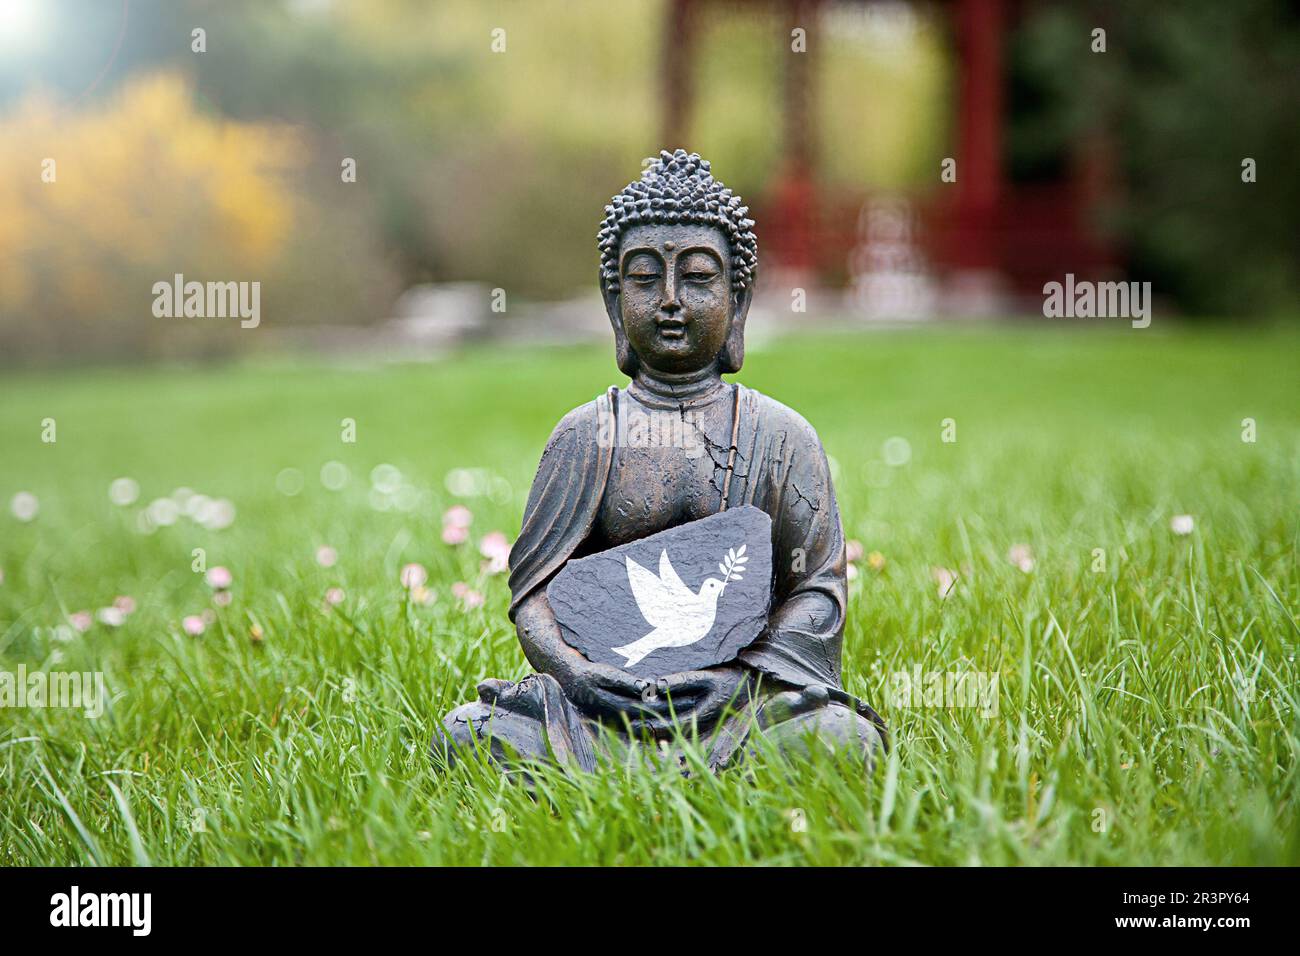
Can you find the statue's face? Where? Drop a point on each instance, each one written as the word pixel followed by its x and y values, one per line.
pixel 675 283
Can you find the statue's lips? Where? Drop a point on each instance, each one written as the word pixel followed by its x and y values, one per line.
pixel 671 328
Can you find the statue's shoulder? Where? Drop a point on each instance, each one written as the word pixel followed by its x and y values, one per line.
pixel 774 416
pixel 581 423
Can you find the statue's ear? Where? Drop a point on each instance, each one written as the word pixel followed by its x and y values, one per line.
pixel 626 358
pixel 733 349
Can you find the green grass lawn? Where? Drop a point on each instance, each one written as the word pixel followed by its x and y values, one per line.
pixel 1146 714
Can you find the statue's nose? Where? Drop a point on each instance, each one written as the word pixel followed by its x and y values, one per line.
pixel 669 303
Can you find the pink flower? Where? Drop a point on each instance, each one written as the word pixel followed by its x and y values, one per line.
pixel 1021 557
pixel 946 579
pixel 219 578
pixel 454 534
pixel 81 620
pixel 124 604
pixel 326 556
pixel 457 516
pixel 851 572
pixel 193 625
pixel 460 589
pixel 853 551
pixel 222 598
pixel 494 544
pixel 414 576
pixel 496 548
pixel 334 596
pixel 471 599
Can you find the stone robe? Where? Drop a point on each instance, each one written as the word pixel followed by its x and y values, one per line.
pixel 779 466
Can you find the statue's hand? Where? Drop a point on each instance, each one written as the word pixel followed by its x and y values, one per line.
pixel 604 690
pixel 598 689
pixel 704 694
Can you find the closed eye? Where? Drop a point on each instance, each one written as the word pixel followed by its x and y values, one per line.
pixel 643 277
pixel 699 276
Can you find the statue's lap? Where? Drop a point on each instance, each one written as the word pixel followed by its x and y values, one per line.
pixel 516 732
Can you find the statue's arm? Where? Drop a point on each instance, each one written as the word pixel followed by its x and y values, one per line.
pixel 802 642
pixel 539 635
pixel 597 688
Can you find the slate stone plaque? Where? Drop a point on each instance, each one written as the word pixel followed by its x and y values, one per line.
pixel 683 599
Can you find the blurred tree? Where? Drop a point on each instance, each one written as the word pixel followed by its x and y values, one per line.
pixel 101 202
pixel 1184 95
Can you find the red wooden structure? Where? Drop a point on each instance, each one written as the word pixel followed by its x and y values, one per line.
pixel 1023 235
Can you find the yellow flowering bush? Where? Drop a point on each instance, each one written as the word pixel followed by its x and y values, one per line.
pixel 98 203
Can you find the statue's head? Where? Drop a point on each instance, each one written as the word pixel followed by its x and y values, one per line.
pixel 678 260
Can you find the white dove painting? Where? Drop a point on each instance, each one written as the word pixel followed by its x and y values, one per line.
pixel 678 616
pixel 690 597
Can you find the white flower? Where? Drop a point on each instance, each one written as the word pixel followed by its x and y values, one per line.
pixel 222 515
pixel 334 475
pixel 123 491
pixel 163 512
pixel 112 616
pixel 385 478
pixel 197 507
pixel 897 451
pixel 289 482
pixel 1181 524
pixel 24 506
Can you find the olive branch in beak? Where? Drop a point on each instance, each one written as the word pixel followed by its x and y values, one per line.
pixel 733 566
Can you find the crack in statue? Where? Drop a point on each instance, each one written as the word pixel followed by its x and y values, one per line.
pixel 678 259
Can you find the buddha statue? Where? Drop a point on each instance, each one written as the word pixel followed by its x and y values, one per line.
pixel 678 260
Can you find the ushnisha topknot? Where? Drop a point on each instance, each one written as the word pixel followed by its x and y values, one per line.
pixel 679 187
